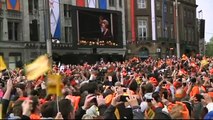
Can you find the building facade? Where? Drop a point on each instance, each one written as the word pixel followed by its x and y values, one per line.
pixel 152 27
pixel 22 29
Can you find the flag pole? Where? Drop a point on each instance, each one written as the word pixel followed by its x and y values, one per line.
pixel 57 102
pixel 47 29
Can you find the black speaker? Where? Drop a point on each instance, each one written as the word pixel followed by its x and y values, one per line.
pixel 94 50
pixel 202 29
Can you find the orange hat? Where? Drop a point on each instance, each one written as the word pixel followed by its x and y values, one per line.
pixel 108 99
pixel 153 81
pixel 124 73
pixel 211 71
pixel 177 84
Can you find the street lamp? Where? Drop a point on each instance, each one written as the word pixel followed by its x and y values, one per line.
pixel 177 28
pixel 47 29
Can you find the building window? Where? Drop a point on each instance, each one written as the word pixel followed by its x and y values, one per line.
pixel 186 34
pixel 14 58
pixel 159 27
pixel 184 12
pixel 13 28
pixel 193 15
pixel 68 34
pixel 32 6
pixel 188 14
pixel 166 30
pixel 2 54
pixel 120 3
pixel 189 34
pixel 67 10
pixel 141 4
pixel 193 35
pixel 172 31
pixel 158 5
pixel 112 3
pixel 34 31
pixel 142 29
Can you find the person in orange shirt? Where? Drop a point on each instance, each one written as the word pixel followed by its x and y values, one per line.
pixel 197 88
pixel 35 112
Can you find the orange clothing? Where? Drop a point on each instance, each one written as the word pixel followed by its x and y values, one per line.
pixel 210 94
pixel 195 90
pixel 35 117
pixel 184 111
pixel 22 98
pixel 160 105
pixel 75 101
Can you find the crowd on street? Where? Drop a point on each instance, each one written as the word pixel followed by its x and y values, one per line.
pixel 167 88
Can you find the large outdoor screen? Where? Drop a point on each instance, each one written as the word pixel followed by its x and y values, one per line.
pixel 97 28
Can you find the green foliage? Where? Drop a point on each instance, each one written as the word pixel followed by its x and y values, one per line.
pixel 209 48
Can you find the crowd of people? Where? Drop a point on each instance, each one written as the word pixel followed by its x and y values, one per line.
pixel 168 88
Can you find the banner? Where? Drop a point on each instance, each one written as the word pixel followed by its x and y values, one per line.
pixel 132 11
pixel 55 22
pixel 91 3
pixel 13 5
pixel 153 20
pixel 102 4
pixel 80 3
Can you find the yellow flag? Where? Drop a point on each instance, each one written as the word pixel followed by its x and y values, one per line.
pixel 54 85
pixel 204 63
pixel 37 68
pixel 2 64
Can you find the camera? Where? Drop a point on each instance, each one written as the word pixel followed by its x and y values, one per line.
pixel 193 80
pixel 148 97
pixel 123 98
pixel 164 82
pixel 211 80
pixel 124 90
pixel 184 84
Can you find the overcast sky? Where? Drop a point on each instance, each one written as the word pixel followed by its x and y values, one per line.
pixel 207 7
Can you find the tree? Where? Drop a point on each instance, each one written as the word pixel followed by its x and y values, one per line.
pixel 209 47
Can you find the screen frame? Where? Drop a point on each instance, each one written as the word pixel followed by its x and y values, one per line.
pixel 76 32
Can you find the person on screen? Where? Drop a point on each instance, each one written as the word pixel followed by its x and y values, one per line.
pixel 105 31
pixel 101 18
